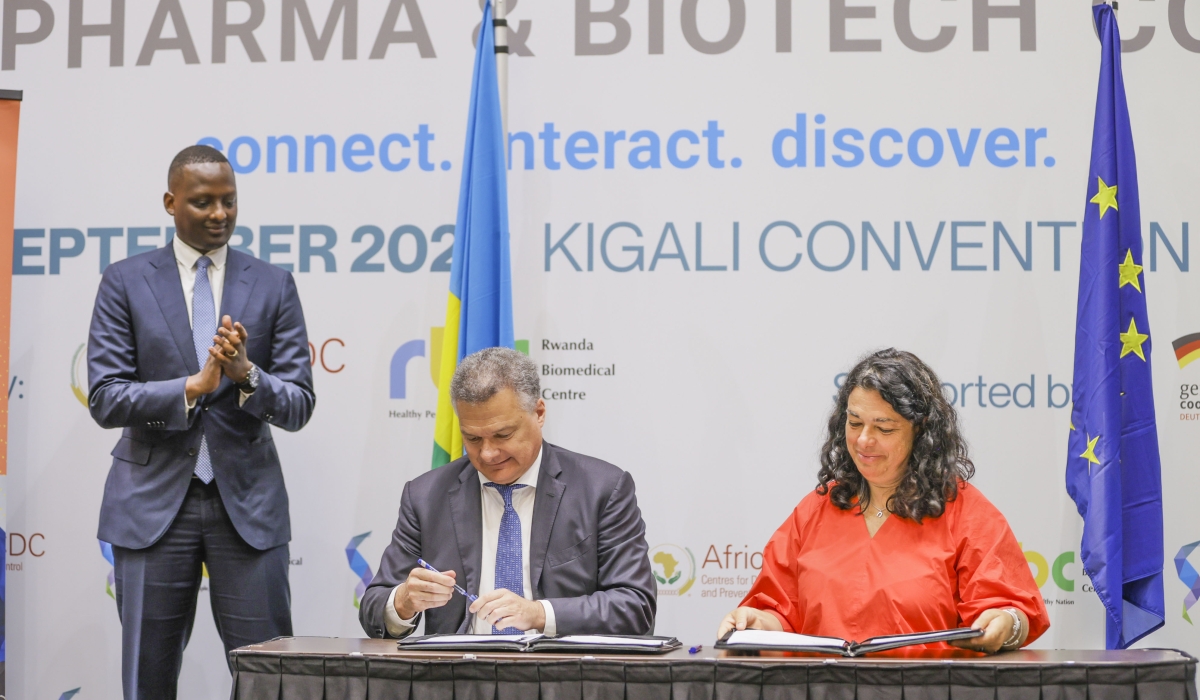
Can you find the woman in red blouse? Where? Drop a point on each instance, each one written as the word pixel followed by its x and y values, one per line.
pixel 894 540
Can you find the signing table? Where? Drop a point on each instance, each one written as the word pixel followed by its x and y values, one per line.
pixel 316 668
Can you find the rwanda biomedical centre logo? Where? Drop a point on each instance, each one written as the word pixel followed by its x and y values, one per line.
pixel 398 369
pixel 674 569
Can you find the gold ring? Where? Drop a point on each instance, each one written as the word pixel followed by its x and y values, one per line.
pixel 235 354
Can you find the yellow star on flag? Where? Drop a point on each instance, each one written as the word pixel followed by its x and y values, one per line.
pixel 1090 453
pixel 1132 340
pixel 1106 197
pixel 1129 272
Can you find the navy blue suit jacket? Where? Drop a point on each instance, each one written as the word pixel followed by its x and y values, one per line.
pixel 140 353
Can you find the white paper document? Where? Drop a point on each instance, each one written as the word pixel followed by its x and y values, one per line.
pixel 595 640
pixel 477 639
pixel 764 638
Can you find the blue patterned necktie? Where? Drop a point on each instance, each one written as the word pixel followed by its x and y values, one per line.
pixel 508 549
pixel 204 327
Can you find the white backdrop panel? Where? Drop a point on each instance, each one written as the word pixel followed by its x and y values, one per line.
pixel 722 378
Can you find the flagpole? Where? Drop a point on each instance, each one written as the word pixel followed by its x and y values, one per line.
pixel 501 26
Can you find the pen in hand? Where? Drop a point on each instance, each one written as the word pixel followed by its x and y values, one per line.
pixel 457 587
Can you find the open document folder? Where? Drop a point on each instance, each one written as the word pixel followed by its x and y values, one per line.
pixel 763 640
pixel 571 643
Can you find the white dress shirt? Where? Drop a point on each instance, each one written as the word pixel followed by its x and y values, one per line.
pixel 492 505
pixel 186 257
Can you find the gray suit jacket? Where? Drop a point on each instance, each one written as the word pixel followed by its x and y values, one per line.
pixel 587 556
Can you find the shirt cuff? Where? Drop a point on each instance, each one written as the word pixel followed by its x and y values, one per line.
pixel 396 626
pixel 243 397
pixel 551 627
pixel 189 405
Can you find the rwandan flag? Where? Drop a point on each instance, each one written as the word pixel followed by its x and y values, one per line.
pixel 1113 471
pixel 479 311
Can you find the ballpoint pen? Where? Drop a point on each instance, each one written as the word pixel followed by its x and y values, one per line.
pixel 457 587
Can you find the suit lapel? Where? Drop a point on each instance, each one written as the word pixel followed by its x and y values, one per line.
pixel 239 283
pixel 467 516
pixel 168 290
pixel 545 508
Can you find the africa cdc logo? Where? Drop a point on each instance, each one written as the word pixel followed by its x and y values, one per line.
pixel 674 569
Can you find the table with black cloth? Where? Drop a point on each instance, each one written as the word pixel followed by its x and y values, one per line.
pixel 317 668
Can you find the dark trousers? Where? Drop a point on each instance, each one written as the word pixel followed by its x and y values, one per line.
pixel 157 589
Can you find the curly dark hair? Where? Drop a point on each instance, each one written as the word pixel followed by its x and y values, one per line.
pixel 939 453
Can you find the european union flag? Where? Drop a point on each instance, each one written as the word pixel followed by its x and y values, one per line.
pixel 1113 471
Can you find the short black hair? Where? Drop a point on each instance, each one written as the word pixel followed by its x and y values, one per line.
pixel 939 459
pixel 193 155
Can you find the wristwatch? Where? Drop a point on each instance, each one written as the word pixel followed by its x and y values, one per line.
pixel 251 382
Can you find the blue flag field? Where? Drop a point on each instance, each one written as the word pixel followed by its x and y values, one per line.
pixel 1113 469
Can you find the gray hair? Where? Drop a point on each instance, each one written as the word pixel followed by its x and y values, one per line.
pixel 483 374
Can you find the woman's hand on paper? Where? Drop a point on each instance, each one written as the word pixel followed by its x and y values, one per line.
pixel 749 619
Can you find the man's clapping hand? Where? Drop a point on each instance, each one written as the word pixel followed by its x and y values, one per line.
pixel 206 380
pixel 230 343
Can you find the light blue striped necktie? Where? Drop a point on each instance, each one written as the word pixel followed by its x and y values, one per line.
pixel 508 549
pixel 204 327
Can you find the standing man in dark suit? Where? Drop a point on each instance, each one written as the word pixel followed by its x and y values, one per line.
pixel 195 477
pixel 551 541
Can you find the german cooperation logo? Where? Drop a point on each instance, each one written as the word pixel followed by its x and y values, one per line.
pixel 674 569
pixel 1187 351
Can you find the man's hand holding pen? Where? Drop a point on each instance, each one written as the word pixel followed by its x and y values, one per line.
pixel 424 590
pixel 428 588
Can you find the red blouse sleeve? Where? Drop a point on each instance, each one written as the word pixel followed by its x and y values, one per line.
pixel 992 571
pixel 776 587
